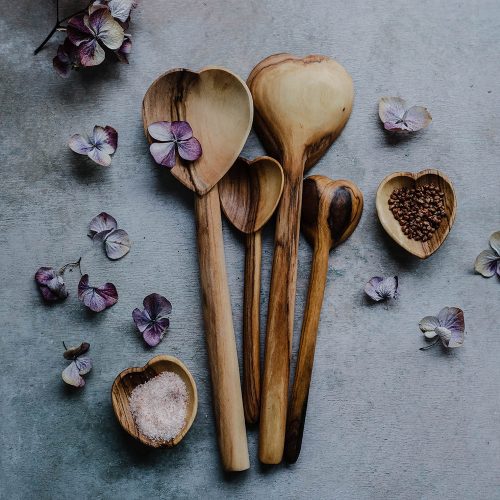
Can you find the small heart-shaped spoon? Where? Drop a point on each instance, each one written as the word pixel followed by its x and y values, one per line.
pixel 218 106
pixel 421 249
pixel 301 106
pixel 249 194
pixel 130 378
pixel 330 213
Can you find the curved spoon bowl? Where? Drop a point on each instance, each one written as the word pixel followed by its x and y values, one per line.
pixel 130 378
pixel 421 249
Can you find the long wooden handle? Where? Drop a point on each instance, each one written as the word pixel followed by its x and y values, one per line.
pixel 223 359
pixel 280 324
pixel 251 328
pixel 303 371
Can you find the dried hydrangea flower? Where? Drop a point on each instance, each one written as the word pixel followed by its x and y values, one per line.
pixel 379 288
pixel 173 136
pixel 66 58
pixel 103 227
pixel 120 9
pixel 94 32
pixel 97 298
pixel 98 147
pixel 488 261
pixel 397 117
pixel 152 321
pixel 51 284
pixel 448 327
pixel 80 365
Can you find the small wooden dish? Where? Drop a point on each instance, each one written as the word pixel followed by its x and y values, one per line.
pixel 130 378
pixel 420 249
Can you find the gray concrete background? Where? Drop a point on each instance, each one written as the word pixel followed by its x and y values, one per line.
pixel 385 420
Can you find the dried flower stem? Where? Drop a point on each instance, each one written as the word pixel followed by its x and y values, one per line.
pixel 430 345
pixel 58 26
pixel 72 264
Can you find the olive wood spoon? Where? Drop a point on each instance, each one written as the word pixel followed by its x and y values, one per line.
pixel 331 210
pixel 301 106
pixel 218 106
pixel 249 194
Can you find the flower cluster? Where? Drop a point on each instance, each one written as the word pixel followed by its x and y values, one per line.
pixel 91 34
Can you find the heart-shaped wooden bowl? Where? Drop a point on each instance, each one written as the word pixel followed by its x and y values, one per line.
pixel 130 378
pixel 421 249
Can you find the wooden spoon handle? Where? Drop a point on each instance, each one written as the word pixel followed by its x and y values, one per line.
pixel 280 324
pixel 219 329
pixel 303 371
pixel 251 327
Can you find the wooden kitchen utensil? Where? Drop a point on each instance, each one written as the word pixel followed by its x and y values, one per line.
pixel 301 106
pixel 249 195
pixel 330 213
pixel 421 249
pixel 130 378
pixel 218 106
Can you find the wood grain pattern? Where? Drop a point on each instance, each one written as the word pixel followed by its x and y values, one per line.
pixel 218 106
pixel 250 193
pixel 301 106
pixel 421 249
pixel 130 378
pixel 330 213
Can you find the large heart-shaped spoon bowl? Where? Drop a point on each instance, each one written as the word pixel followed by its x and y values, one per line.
pixel 301 106
pixel 421 249
pixel 130 378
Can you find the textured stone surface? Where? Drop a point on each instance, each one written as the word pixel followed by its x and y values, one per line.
pixel 384 420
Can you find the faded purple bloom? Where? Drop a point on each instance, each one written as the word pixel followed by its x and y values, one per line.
pixel 99 147
pixel 97 298
pixel 172 136
pixel 94 32
pixel 448 326
pixel 152 321
pixel 379 288
pixel 66 58
pixel 397 117
pixel 51 284
pixel 80 365
pixel 123 52
pixel 103 227
pixel 488 261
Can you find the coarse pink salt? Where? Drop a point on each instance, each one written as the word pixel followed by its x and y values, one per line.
pixel 159 406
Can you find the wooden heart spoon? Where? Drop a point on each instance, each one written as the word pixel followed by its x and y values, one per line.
pixel 218 106
pixel 301 105
pixel 249 194
pixel 330 213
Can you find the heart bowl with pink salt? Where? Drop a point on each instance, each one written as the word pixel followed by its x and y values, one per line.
pixel 156 403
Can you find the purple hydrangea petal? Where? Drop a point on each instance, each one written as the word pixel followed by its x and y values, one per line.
pixel 112 137
pixel 117 244
pixel 157 306
pixel 45 275
pixel 189 150
pixel 163 153
pixel 161 131
pixel 428 326
pixel 77 31
pixel 452 318
pixel 50 284
pixel 62 62
pixel 106 29
pixel 84 364
pixel 495 242
pixel 120 9
pixel 182 131
pixel 105 139
pixel 90 53
pixel 487 263
pixel 141 319
pixel 391 109
pixel 416 118
pixel 97 298
pixel 71 375
pixel 155 331
pixel 123 52
pixel 371 288
pixel 80 144
pixel 99 157
pixel 102 222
